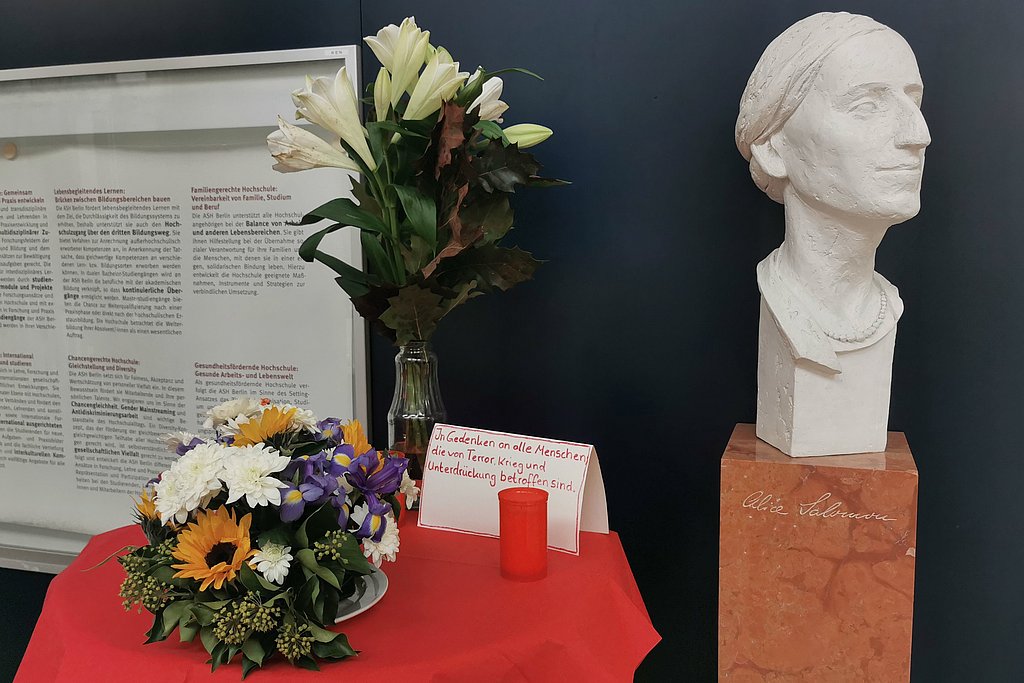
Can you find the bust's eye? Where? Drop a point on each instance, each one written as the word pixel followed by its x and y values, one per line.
pixel 864 107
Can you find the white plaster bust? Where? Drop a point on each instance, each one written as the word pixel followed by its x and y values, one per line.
pixel 830 122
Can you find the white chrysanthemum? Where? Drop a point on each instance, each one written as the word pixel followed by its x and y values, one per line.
pixel 232 426
pixel 172 498
pixel 410 489
pixel 218 415
pixel 192 481
pixel 175 439
pixel 273 561
pixel 386 548
pixel 247 472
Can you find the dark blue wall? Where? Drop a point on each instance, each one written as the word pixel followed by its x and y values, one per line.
pixel 639 335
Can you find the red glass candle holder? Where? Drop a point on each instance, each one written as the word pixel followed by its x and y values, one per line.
pixel 523 533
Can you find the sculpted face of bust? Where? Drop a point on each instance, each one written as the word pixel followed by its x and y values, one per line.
pixel 855 144
pixel 830 123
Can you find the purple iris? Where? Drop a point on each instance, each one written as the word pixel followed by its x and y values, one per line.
pixel 321 480
pixel 342 456
pixel 375 522
pixel 184 448
pixel 376 474
pixel 331 431
pixel 294 499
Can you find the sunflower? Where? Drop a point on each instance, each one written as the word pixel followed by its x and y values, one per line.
pixel 146 506
pixel 270 422
pixel 356 437
pixel 213 548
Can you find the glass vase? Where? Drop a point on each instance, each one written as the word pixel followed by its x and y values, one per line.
pixel 417 404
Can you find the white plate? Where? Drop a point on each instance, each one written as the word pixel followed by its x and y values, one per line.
pixel 368 593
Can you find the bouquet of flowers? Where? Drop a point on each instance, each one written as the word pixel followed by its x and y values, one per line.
pixel 258 533
pixel 437 173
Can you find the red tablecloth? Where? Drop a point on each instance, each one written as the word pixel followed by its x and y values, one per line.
pixel 447 616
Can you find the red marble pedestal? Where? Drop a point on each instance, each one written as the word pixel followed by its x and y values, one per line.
pixel 816 564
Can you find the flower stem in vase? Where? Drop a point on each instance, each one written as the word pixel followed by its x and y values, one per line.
pixel 417 404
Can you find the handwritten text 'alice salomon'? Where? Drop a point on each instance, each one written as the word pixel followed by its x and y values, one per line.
pixel 822 507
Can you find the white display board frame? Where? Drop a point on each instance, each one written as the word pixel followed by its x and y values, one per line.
pixel 37 548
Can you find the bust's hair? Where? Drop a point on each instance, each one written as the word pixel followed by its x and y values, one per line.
pixel 782 78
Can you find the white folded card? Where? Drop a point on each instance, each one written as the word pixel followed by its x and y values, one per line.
pixel 465 468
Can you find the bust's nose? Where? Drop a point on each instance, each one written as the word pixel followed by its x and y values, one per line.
pixel 912 131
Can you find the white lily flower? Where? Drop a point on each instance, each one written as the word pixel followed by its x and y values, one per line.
pixel 382 94
pixel 491 106
pixel 296 149
pixel 527 134
pixel 438 82
pixel 402 50
pixel 441 53
pixel 333 105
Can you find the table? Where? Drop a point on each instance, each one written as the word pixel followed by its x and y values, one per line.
pixel 448 616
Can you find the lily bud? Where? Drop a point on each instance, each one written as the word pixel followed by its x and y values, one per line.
pixel 527 134
pixel 382 94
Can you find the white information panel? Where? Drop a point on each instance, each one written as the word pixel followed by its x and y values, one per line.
pixel 148 273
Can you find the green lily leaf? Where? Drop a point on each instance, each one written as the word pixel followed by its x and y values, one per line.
pixel 421 212
pixel 346 212
pixel 471 90
pixel 401 128
pixel 377 258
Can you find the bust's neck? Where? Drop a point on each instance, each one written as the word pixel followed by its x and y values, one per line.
pixel 831 256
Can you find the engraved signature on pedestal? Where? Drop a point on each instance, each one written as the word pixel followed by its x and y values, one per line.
pixel 823 507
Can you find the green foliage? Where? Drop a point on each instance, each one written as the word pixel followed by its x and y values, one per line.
pixel 431 217
pixel 251 618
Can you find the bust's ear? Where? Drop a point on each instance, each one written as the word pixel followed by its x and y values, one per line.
pixel 768 158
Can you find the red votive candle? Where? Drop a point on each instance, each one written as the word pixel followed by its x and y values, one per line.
pixel 523 532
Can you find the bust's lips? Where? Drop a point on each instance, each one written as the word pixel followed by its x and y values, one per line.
pixel 911 166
